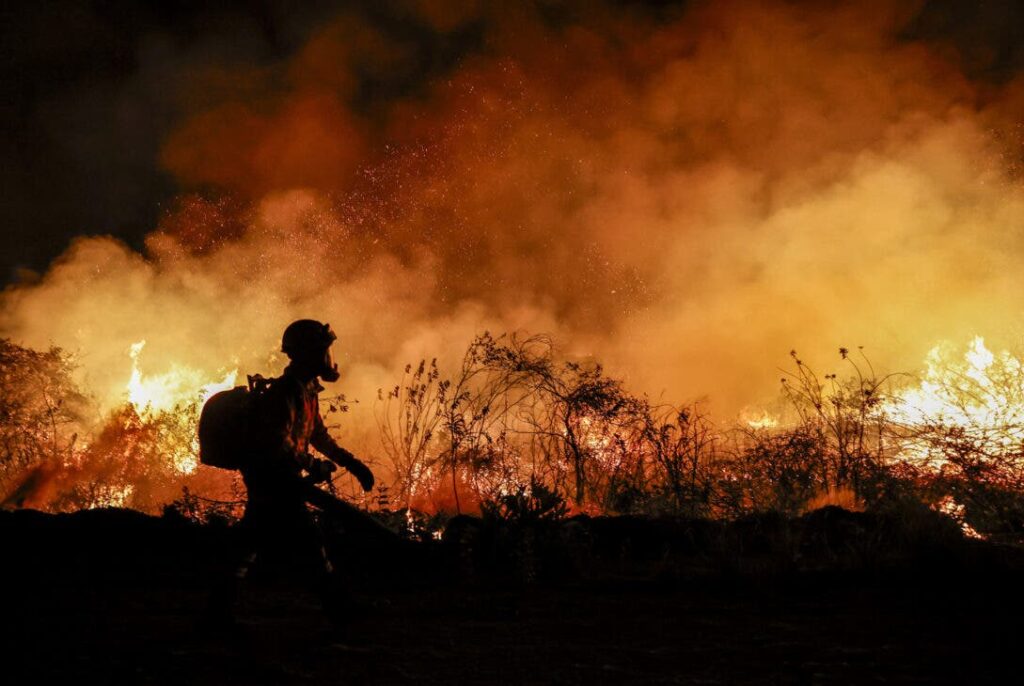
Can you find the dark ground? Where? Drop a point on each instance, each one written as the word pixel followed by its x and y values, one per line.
pixel 114 597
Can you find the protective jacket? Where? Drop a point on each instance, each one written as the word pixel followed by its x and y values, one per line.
pixel 290 423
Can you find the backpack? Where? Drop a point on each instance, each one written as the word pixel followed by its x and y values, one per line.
pixel 228 422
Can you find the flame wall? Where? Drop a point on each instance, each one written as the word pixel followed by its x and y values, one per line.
pixel 684 193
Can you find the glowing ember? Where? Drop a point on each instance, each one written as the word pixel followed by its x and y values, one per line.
pixel 117 496
pixel 956 511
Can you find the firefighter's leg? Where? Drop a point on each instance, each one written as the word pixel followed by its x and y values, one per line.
pixel 232 571
pixel 326 583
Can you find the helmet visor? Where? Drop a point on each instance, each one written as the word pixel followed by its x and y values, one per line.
pixel 329 368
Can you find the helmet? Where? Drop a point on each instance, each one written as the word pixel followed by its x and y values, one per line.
pixel 306 336
pixel 309 341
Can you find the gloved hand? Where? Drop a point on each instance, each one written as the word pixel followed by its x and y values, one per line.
pixel 361 472
pixel 321 470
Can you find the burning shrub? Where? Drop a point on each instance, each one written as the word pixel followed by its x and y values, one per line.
pixel 844 418
pixel 678 454
pixel 512 414
pixel 60 453
pixel 782 471
pixel 528 504
pixel 516 414
pixel 41 415
pixel 962 427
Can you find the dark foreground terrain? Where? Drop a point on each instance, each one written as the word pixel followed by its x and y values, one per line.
pixel 834 598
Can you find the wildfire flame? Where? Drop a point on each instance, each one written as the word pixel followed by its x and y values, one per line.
pixel 980 391
pixel 983 390
pixel 178 385
pixel 966 405
pixel 760 419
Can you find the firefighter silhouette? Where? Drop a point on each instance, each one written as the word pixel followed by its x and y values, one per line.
pixel 279 471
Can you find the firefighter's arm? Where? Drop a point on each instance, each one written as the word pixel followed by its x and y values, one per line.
pixel 322 441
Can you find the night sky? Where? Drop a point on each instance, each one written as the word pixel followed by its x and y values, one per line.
pixel 93 89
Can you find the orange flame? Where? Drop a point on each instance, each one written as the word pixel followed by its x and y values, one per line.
pixel 179 386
